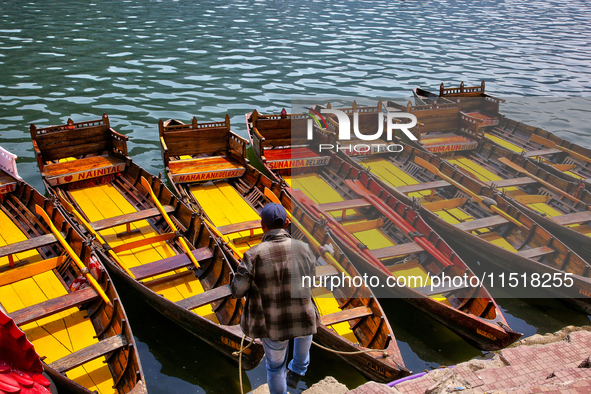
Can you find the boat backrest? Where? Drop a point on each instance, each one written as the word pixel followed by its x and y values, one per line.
pixel 277 129
pixel 472 98
pixel 368 117
pixel 76 140
pixel 211 138
pixel 432 118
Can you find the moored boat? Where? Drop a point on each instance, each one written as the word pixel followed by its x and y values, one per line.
pixel 473 214
pixel 551 151
pixel 280 142
pixel 54 288
pixel 389 240
pixel 558 205
pixel 351 318
pixel 152 241
pixel 439 127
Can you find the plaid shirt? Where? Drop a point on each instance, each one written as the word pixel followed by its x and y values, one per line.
pixel 277 306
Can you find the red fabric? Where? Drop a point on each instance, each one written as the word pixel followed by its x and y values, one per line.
pixel 20 366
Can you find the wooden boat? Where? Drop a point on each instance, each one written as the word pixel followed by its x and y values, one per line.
pixel 145 237
pixel 388 239
pixel 366 119
pixel 460 207
pixel 21 369
pixel 560 206
pixel 79 328
pixel 280 143
pixel 442 127
pixel 478 109
pixel 352 319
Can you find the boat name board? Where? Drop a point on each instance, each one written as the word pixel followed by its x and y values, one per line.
pixel 376 368
pixel 209 175
pixel 82 175
pixel 370 149
pixel 234 345
pixel 7 188
pixel 486 334
pixel 452 147
pixel 297 163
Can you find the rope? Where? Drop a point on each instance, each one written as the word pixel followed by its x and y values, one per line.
pixel 240 361
pixel 242 349
pixel 384 354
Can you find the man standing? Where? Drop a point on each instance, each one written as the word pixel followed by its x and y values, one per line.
pixel 278 307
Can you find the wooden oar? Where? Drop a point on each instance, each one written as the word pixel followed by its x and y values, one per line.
pixel 550 186
pixel 41 212
pixel 271 196
pixel 551 144
pixel 425 164
pixel 70 208
pixel 398 220
pixel 184 245
pixel 217 232
pixel 561 167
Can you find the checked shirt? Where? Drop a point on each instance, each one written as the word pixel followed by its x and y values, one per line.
pixel 270 275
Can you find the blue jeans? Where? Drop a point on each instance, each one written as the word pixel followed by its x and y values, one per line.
pixel 276 359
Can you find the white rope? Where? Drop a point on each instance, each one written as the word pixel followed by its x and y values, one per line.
pixel 242 349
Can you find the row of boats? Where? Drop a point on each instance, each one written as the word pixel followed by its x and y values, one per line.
pixel 466 177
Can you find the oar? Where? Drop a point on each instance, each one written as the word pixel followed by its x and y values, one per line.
pixel 41 212
pixel 551 144
pixel 217 232
pixel 550 186
pixel 397 219
pixel 425 164
pixel 70 208
pixel 561 167
pixel 184 245
pixel 271 196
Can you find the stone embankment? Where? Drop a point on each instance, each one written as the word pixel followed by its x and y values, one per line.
pixel 551 363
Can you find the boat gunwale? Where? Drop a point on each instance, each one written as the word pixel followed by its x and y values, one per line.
pixel 104 326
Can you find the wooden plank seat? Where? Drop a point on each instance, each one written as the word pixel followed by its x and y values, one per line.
pixel 238 227
pixel 444 204
pixel 536 252
pixel 80 169
pixel 89 353
pixel 542 152
pixel 422 186
pixel 363 225
pixel 26 269
pixel 572 218
pixel 345 315
pixel 326 270
pixel 204 168
pixel 488 222
pixel 523 181
pixel 31 243
pixel 480 117
pixel 448 287
pixel 129 218
pixel 344 205
pixel 169 264
pixel 54 305
pixel 397 250
pixel 205 298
